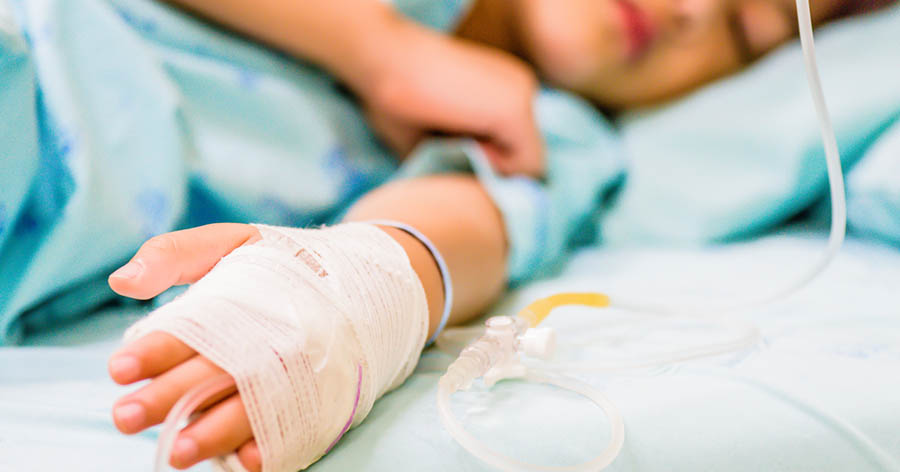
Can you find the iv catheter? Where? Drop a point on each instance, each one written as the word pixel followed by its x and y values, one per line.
pixel 497 354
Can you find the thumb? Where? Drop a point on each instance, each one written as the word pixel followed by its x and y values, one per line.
pixel 178 258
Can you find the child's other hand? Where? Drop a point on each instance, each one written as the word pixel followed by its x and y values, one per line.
pixel 429 83
pixel 170 259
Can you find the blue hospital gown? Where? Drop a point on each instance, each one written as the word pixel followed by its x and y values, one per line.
pixel 123 119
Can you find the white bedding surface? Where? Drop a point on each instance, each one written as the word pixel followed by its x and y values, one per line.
pixel 820 393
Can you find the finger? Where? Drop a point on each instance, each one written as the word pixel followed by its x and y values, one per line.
pixel 149 405
pixel 148 357
pixel 398 136
pixel 496 155
pixel 492 81
pixel 177 258
pixel 220 430
pixel 526 159
pixel 517 146
pixel 250 456
pixel 530 152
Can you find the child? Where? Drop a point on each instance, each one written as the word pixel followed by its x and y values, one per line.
pixel 412 82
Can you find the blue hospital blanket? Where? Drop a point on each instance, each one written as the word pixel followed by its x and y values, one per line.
pixel 123 119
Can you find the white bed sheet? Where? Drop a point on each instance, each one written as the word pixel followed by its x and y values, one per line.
pixel 820 393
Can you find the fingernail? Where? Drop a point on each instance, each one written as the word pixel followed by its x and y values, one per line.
pixel 129 271
pixel 185 451
pixel 124 368
pixel 130 416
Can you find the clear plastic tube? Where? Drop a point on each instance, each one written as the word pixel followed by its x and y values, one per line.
pixel 864 443
pixel 748 338
pixel 499 346
pixel 477 448
pixel 477 360
pixel 183 409
pixel 537 311
pixel 835 239
pixel 835 183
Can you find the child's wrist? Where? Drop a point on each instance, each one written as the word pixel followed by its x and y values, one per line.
pixel 431 268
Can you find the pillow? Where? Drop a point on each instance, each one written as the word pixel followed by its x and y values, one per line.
pixel 873 190
pixel 745 153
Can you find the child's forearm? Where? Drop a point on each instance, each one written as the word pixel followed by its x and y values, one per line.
pixel 459 217
pixel 342 36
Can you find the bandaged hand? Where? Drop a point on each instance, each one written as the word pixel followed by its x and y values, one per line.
pixel 429 83
pixel 313 325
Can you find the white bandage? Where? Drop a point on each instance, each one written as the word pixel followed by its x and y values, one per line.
pixel 314 326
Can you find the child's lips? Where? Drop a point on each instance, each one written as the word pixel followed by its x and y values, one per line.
pixel 637 27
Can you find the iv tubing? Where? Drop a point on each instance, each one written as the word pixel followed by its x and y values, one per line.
pixel 467 365
pixel 835 183
pixel 862 442
pixel 538 310
pixel 183 409
pixel 194 398
pixel 746 340
pixel 477 448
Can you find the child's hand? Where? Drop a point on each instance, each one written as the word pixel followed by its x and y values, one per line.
pixel 430 83
pixel 171 259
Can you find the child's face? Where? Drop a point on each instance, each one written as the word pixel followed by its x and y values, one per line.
pixel 625 53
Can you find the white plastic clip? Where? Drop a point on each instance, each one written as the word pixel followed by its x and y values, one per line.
pixel 506 332
pixel 538 342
